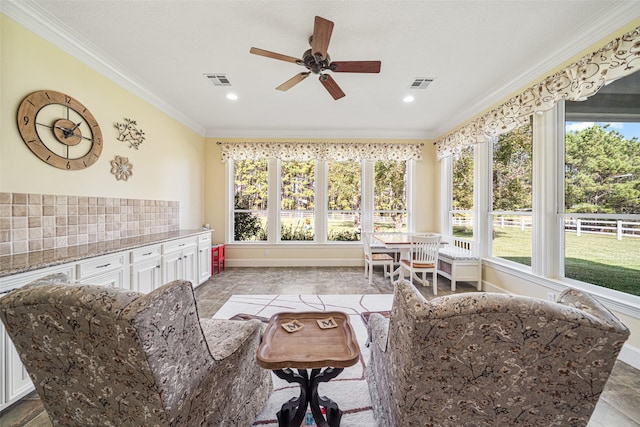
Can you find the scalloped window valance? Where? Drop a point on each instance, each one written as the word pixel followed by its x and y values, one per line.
pixel 575 82
pixel 319 151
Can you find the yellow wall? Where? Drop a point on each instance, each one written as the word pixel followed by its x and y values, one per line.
pixel 425 212
pixel 168 166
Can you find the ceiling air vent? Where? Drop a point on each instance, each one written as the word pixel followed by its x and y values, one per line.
pixel 218 79
pixel 420 83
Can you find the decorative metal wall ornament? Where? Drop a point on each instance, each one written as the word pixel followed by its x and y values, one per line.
pixel 121 168
pixel 129 132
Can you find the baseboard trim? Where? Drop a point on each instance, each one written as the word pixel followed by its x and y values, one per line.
pixel 261 262
pixel 630 355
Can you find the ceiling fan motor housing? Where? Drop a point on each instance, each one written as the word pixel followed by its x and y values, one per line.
pixel 316 64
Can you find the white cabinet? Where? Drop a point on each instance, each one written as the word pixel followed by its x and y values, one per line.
pixel 204 258
pixel 107 270
pixel 179 260
pixel 14 380
pixel 146 263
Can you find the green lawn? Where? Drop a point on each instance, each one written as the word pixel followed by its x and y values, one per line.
pixel 599 259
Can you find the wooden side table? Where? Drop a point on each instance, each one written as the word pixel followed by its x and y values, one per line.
pixel 325 352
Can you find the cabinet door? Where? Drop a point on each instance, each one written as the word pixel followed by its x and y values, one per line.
pixel 145 275
pixel 172 266
pixel 17 381
pixel 204 263
pixel 190 265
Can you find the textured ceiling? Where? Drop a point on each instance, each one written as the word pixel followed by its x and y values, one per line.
pixel 478 52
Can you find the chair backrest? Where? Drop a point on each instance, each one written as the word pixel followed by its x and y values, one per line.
pixel 99 355
pixel 498 359
pixel 424 249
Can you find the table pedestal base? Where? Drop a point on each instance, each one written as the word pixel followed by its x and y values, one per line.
pixel 292 413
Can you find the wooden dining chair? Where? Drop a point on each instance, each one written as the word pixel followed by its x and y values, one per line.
pixel 372 259
pixel 423 258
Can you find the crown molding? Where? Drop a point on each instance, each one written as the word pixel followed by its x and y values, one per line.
pixel 317 133
pixel 36 19
pixel 619 15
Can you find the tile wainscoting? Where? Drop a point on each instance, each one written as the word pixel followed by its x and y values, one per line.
pixel 35 222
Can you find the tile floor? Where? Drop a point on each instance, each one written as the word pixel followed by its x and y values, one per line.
pixel 619 404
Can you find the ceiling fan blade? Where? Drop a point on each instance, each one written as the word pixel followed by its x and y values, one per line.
pixel 322 29
pixel 331 86
pixel 293 81
pixel 355 66
pixel 274 55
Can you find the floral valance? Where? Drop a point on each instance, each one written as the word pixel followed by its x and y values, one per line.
pixel 319 150
pixel 575 82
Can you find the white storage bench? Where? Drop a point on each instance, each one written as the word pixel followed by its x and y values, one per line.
pixel 457 262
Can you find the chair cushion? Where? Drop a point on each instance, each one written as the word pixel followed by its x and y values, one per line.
pixel 381 257
pixel 417 264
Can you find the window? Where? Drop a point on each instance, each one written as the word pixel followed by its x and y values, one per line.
pixel 321 201
pixel 250 197
pixel 601 209
pixel 297 200
pixel 461 213
pixel 390 196
pixel 344 197
pixel 512 191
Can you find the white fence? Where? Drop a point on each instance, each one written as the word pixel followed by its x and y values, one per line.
pixel 618 228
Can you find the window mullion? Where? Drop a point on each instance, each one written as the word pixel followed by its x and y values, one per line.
pixel 367 195
pixel 273 214
pixel 321 211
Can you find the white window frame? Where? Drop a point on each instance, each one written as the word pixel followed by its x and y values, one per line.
pixel 321 212
pixel 547 257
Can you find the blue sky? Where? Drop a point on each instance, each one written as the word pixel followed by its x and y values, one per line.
pixel 628 129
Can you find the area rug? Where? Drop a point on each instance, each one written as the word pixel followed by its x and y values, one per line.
pixel 349 390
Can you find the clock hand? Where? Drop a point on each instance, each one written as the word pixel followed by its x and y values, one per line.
pixel 67 132
pixel 76 126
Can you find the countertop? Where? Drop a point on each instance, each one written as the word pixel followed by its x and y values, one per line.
pixel 20 263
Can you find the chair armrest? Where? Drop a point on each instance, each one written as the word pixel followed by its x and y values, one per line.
pixel 378 330
pixel 587 303
pixel 224 337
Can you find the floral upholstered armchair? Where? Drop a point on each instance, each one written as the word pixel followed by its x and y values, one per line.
pixel 487 359
pixel 100 356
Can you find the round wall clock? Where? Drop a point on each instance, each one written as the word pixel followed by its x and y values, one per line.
pixel 59 130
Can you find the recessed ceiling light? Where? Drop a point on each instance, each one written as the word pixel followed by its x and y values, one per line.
pixel 232 96
pixel 408 98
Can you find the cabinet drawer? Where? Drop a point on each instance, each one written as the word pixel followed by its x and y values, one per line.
pixel 145 253
pixel 180 244
pixel 101 265
pixel 204 239
pixel 9 283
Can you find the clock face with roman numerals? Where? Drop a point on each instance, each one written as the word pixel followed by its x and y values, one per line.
pixel 59 130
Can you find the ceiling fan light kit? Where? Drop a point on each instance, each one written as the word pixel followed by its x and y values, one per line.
pixel 317 61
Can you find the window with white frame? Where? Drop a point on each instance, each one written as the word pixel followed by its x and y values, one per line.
pixel 601 208
pixel 512 191
pixel 297 200
pixel 250 200
pixel 344 198
pixel 328 199
pixel 390 196
pixel 461 211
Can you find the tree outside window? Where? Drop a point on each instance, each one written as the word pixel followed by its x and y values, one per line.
pixel 344 196
pixel 250 183
pixel 297 200
pixel 390 196
pixel 462 193
pixel 512 194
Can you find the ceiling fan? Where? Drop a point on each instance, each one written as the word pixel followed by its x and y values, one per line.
pixel 317 61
